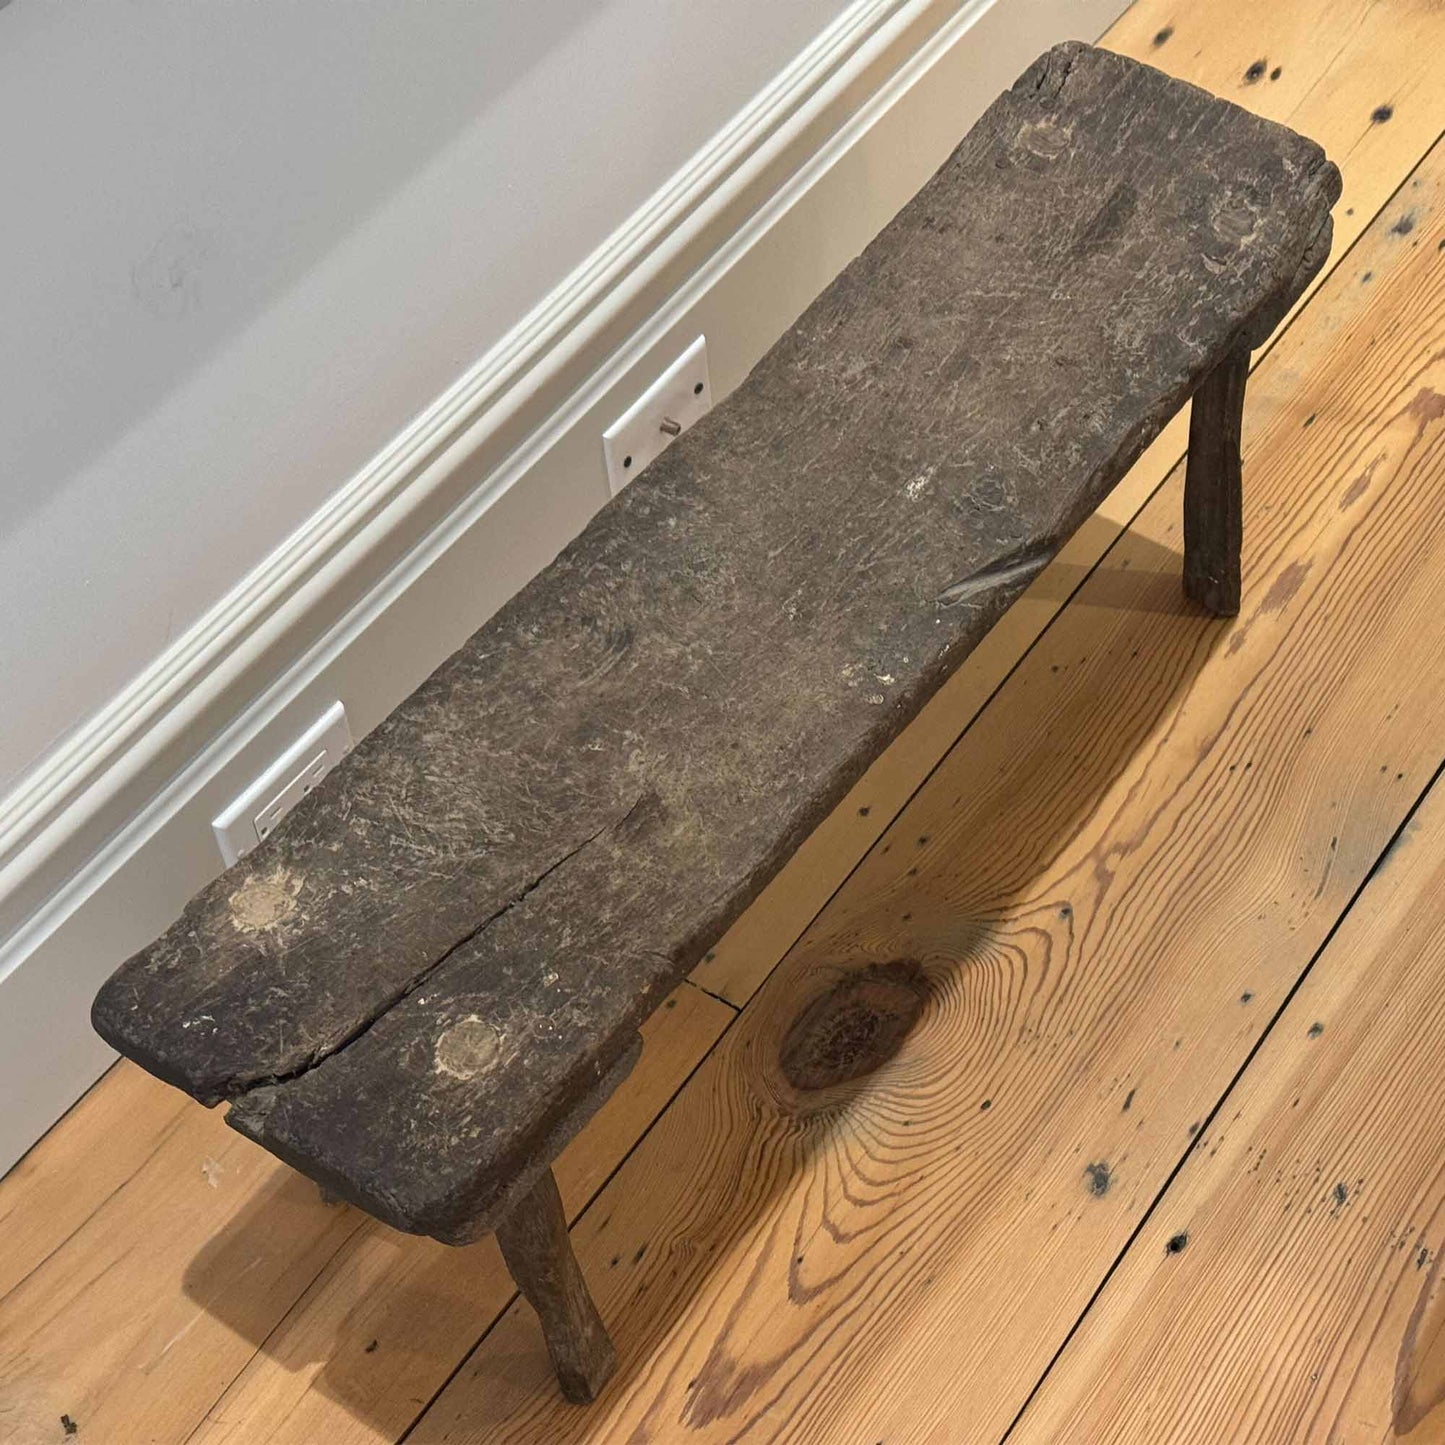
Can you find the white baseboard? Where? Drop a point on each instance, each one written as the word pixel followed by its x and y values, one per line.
pixel 102 844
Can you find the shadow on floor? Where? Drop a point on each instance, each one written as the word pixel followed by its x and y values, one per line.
pixel 390 1318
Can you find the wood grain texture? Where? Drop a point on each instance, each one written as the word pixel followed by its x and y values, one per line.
pixel 407 990
pixel 71 1173
pixel 1112 882
pixel 378 1331
pixel 1287 1288
pixel 315 1381
pixel 1350 72
pixel 211 1265
pixel 315 1378
pixel 1338 63
pixel 108 1330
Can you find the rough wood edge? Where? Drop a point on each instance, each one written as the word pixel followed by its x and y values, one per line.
pixel 1214 488
pixel 535 1245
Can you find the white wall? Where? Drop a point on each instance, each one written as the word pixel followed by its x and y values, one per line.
pixel 245 243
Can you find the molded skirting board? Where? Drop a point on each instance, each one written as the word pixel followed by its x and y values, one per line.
pixel 103 843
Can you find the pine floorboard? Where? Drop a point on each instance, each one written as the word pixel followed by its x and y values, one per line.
pixel 1114 880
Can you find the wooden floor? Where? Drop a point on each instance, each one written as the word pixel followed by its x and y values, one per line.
pixel 1165 1158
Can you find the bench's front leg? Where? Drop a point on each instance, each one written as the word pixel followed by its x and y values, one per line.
pixel 1213 490
pixel 534 1243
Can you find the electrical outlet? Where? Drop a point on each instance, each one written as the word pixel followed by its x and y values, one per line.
pixel 253 816
pixel 663 412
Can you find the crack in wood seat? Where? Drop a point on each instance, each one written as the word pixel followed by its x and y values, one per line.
pixel 419 987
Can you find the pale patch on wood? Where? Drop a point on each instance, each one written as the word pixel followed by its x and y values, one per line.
pixel 261 904
pixel 470 1047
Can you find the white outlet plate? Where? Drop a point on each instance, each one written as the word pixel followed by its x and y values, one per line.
pixel 681 394
pixel 254 815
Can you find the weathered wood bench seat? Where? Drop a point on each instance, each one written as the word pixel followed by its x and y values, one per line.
pixel 420 987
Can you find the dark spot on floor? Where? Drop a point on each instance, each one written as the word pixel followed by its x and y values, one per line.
pixel 1310 419
pixel 1245 996
pixel 1256 72
pixel 1177 1243
pixel 1382 113
pixel 1422 1257
pixel 1316 1029
pixel 1283 588
pixel 371 1347
pixel 641 1250
pixel 1276 72
pixel 1404 225
pixel 986 1105
pixel 1355 491
pixel 671 1003
pixel 1128 1101
pixel 1366 278
pixel 1428 406
pixel 1162 37
pixel 68 1425
pixel 864 811
pixel 1193 1130
pixel 1342 1194
pixel 1099 1178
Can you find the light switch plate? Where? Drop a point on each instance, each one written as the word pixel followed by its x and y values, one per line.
pixel 675 400
pixel 254 815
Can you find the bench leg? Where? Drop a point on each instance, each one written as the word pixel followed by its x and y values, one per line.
pixel 1213 494
pixel 534 1243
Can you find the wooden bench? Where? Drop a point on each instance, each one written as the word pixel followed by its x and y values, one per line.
pixel 419 989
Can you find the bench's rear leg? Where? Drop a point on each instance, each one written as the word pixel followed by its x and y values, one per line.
pixel 1213 490
pixel 534 1243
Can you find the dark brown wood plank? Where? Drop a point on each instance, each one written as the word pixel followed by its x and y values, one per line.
pixel 409 987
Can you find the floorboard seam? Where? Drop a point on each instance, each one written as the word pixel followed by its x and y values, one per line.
pixel 1202 1132
pixel 592 1199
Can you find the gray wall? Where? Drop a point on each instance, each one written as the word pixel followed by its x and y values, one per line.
pixel 244 244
